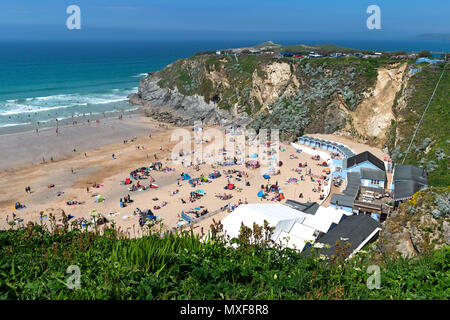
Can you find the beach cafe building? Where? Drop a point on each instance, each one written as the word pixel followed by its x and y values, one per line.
pixel 364 173
pixel 293 228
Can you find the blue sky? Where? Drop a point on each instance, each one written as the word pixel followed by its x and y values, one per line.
pixel 234 19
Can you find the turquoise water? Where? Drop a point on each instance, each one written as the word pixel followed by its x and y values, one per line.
pixel 41 83
pixel 45 82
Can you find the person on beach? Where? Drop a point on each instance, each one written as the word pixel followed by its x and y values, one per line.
pixel 87 189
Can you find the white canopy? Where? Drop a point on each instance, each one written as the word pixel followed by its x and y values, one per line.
pixel 257 213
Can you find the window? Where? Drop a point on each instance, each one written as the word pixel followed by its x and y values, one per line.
pixel 373 181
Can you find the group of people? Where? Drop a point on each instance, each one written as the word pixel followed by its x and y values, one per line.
pixel 125 200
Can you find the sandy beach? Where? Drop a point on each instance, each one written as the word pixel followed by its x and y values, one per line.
pixel 99 142
pixel 28 147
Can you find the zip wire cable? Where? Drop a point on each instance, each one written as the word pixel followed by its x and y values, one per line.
pixel 429 102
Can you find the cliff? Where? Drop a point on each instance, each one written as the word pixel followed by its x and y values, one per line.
pixel 420 226
pixel 296 95
pixel 373 100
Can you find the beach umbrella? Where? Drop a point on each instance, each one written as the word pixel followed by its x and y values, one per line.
pixel 201 191
pixel 253 156
pixel 260 193
pixel 99 198
pixel 266 176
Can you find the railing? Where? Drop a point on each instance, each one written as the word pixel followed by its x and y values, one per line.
pixel 197 220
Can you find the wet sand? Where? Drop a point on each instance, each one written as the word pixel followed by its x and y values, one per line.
pixel 23 148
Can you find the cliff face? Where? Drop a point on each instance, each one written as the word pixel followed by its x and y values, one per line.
pixel 420 225
pixel 173 106
pixel 350 96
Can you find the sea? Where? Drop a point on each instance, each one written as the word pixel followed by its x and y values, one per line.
pixel 49 83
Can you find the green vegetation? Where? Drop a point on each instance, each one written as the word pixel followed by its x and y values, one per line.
pixel 192 76
pixel 33 264
pixel 431 147
pixel 290 116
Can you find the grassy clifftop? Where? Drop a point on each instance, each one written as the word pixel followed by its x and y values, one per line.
pixel 33 265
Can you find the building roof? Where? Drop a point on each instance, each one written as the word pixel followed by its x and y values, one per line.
pixel 257 213
pixel 322 223
pixel 348 196
pixel 409 172
pixel 353 183
pixel 335 215
pixel 345 150
pixel 357 230
pixel 365 156
pixel 307 207
pixel 291 241
pixel 342 200
pixel 294 234
pixel 405 189
pixel 303 231
pixel 372 174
